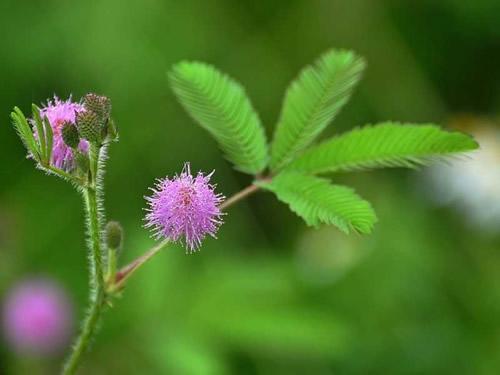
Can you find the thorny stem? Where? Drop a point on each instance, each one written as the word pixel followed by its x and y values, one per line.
pixel 128 270
pixel 97 288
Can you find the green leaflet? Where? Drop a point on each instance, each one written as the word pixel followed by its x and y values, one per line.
pixel 312 101
pixel 25 133
pixel 42 140
pixel 384 145
pixel 220 105
pixel 40 148
pixel 49 138
pixel 317 201
pixel 45 136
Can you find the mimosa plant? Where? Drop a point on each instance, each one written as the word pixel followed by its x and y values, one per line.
pixel 70 140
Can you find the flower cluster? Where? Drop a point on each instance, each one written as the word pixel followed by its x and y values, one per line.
pixel 185 206
pixel 59 113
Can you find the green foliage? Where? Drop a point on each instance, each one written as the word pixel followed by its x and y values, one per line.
pixel 312 101
pixel 39 130
pixel 317 201
pixel 384 145
pixel 219 104
pixel 25 132
pixel 49 139
pixel 44 139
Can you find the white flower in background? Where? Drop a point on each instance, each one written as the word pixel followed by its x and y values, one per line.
pixel 472 185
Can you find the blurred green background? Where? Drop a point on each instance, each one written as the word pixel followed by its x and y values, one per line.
pixel 270 296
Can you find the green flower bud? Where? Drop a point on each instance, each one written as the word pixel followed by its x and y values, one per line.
pixel 88 126
pixel 100 105
pixel 114 235
pixel 82 162
pixel 70 135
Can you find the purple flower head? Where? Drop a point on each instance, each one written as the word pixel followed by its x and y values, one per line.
pixel 186 207
pixel 37 317
pixel 58 112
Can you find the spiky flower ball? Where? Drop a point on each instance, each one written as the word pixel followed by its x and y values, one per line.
pixel 60 112
pixel 185 207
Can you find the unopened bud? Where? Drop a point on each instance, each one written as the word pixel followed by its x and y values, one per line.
pixel 70 135
pixel 88 126
pixel 82 162
pixel 100 105
pixel 114 235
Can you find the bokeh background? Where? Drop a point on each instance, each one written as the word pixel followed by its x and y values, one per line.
pixel 270 296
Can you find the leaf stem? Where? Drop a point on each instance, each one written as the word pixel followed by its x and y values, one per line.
pixel 97 287
pixel 239 196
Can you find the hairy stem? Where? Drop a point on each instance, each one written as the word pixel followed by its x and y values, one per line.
pixel 58 172
pixel 97 288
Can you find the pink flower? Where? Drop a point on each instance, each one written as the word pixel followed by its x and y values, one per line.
pixel 185 207
pixel 37 317
pixel 58 112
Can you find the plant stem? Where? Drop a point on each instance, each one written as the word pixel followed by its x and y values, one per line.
pixel 239 196
pixel 96 269
pixel 127 271
pixel 111 271
pixel 97 291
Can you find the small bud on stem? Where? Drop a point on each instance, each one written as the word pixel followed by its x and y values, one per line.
pixel 98 104
pixel 82 162
pixel 114 235
pixel 70 135
pixel 114 240
pixel 88 126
